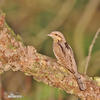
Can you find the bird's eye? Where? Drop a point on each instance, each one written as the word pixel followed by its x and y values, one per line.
pixel 56 34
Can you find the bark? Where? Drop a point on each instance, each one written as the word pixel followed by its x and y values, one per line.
pixel 14 55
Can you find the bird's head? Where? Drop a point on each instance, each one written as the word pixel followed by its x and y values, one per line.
pixel 57 36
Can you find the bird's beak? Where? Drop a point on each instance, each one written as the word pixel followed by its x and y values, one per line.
pixel 50 35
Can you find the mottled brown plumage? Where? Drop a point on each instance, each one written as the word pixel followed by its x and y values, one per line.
pixel 65 57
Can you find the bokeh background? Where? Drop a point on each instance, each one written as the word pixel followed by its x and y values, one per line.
pixel 78 20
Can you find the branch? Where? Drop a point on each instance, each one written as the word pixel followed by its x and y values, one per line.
pixel 17 57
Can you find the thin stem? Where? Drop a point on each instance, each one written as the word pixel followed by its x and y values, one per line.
pixel 90 50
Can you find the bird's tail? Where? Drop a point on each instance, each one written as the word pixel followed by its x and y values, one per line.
pixel 80 81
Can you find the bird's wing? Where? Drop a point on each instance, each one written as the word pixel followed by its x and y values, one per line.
pixel 70 58
pixel 67 46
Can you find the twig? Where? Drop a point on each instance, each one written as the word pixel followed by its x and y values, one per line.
pixel 90 50
pixel 81 27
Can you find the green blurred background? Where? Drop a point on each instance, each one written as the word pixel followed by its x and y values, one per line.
pixel 78 20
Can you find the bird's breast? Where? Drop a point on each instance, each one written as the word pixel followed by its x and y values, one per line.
pixel 58 52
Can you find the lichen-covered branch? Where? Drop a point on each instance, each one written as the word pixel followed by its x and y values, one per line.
pixel 17 57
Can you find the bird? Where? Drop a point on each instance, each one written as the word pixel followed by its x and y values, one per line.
pixel 64 54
